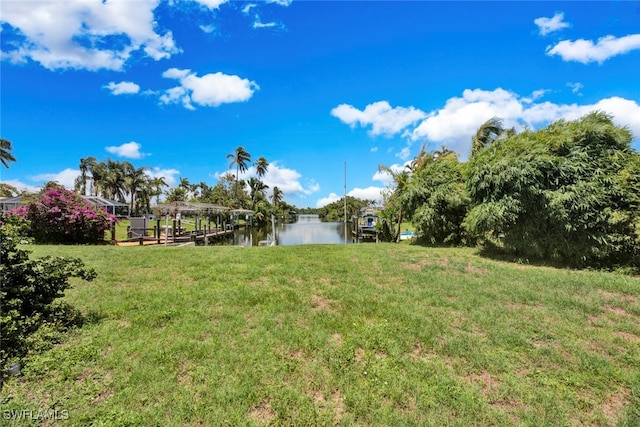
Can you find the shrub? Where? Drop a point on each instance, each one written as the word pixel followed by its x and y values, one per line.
pixel 568 193
pixel 28 293
pixel 57 215
pixel 436 201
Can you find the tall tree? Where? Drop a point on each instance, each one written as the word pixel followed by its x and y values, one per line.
pixel 157 184
pixel 257 188
pixel 240 158
pixel 85 168
pixel 262 166
pixel 277 197
pixel 135 179
pixel 5 152
pixel 98 174
pixel 400 181
pixel 488 132
pixel 114 180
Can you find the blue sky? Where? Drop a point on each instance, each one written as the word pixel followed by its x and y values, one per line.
pixel 177 85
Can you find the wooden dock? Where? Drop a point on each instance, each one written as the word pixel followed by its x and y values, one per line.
pixel 198 237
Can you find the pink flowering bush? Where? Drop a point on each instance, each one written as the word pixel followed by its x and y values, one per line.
pixel 57 215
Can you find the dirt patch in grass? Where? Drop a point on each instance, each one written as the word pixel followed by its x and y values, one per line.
pixel 336 340
pixel 613 406
pixel 184 375
pixel 475 270
pixel 335 401
pixel 417 265
pixel 488 385
pixel 628 336
pixel 338 403
pixel 618 311
pixel 105 395
pixel 321 303
pixel 123 323
pixel 263 413
pixel 360 354
pixel 618 297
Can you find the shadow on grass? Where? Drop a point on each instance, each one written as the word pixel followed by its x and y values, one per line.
pixel 51 329
pixel 496 253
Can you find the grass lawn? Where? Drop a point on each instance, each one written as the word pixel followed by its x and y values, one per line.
pixel 370 334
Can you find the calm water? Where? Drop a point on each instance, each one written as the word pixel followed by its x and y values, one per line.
pixel 307 230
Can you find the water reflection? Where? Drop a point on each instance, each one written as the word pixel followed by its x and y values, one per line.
pixel 307 230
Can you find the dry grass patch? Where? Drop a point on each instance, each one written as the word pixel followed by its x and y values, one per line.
pixel 618 311
pixel 263 413
pixel 336 340
pixel 475 270
pixel 628 336
pixel 614 405
pixel 321 303
pixel 632 299
pixel 488 385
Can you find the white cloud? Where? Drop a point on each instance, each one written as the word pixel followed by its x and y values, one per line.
pixel 21 186
pixel 287 180
pixel 385 177
pixel 575 87
pixel 130 150
pixel 210 90
pixel 281 2
pixel 369 193
pixel 170 175
pixel 208 28
pixel 550 25
pixel 332 197
pixel 67 177
pixel 405 153
pixel 455 123
pixel 248 8
pixel 258 24
pixel 586 51
pixel 122 88
pixel 210 4
pixel 384 119
pixel 83 34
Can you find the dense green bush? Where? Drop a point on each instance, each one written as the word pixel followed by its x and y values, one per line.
pixel 57 215
pixel 28 293
pixel 567 193
pixel 436 201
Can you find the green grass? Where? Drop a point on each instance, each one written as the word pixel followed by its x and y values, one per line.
pixel 364 334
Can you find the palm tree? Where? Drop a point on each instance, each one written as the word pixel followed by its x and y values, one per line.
pixel 257 187
pixel 156 184
pixel 114 180
pixel 241 158
pixel 276 197
pixel 401 181
pixel 487 133
pixel 135 179
pixel 262 166
pixel 5 152
pixel 445 154
pixel 85 167
pixel 98 174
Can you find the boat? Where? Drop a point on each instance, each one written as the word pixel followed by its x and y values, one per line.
pixel 365 225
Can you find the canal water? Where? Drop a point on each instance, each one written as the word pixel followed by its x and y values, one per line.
pixel 309 229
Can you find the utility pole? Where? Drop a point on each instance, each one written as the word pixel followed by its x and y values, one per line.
pixel 345 202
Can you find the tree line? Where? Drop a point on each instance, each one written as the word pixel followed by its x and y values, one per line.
pixel 123 182
pixel 569 193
